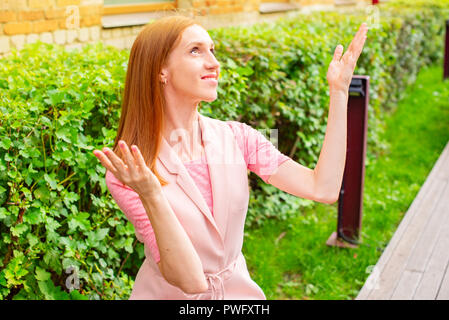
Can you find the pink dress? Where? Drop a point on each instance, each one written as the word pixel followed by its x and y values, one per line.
pixel 253 145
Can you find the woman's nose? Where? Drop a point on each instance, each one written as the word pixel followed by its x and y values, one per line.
pixel 213 62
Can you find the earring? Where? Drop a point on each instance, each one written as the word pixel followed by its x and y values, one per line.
pixel 165 81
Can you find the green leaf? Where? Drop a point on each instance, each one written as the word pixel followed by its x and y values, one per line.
pixel 32 239
pixel 3 213
pixel 52 259
pixel 70 197
pixel 95 237
pixel 76 295
pixel 64 134
pixel 32 216
pixel 55 97
pixel 52 224
pixel 51 180
pixel 41 274
pixel 5 143
pixel 231 64
pixel 81 221
pixel 51 292
pixel 245 71
pixel 42 193
pixel 19 229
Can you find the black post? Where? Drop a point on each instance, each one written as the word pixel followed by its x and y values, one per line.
pixel 446 55
pixel 351 192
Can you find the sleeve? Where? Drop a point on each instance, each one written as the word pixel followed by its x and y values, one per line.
pixel 261 156
pixel 131 205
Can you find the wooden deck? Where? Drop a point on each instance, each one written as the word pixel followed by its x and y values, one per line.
pixel 415 264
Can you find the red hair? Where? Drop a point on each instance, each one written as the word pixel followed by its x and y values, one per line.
pixel 141 120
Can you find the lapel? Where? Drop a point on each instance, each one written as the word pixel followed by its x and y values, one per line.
pixel 215 151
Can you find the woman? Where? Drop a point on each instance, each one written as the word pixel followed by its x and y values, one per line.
pixel 183 182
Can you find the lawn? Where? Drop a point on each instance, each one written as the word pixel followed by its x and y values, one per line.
pixel 290 260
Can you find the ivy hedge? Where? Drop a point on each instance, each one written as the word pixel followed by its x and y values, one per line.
pixel 61 234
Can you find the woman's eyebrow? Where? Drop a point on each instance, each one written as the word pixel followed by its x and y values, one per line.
pixel 199 43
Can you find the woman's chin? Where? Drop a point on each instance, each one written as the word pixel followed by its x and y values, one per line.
pixel 210 98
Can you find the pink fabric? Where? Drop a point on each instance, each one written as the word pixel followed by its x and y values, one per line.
pixel 199 172
pixel 260 155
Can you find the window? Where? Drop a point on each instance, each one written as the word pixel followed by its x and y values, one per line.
pixel 132 6
pixel 273 6
pixel 110 2
pixel 345 2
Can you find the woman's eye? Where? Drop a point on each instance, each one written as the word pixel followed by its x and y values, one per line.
pixel 196 49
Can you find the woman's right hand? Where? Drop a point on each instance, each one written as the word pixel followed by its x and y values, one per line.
pixel 133 172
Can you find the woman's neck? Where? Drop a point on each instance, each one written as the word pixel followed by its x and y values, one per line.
pixel 183 133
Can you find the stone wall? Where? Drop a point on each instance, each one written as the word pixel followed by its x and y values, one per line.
pixel 73 23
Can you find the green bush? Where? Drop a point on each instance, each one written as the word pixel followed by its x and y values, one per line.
pixel 56 214
pixel 56 106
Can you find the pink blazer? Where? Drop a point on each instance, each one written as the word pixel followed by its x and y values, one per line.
pixel 217 238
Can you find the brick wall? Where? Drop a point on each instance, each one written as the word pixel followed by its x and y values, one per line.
pixel 73 23
pixel 52 21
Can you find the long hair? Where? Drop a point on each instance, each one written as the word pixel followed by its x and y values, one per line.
pixel 141 120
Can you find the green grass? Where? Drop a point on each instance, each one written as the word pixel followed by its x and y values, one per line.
pixel 299 265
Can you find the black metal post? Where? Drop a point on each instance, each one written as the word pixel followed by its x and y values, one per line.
pixel 446 54
pixel 351 193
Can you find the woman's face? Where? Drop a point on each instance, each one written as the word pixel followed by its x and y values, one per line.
pixel 189 63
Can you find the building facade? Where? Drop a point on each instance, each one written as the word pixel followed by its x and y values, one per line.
pixel 73 23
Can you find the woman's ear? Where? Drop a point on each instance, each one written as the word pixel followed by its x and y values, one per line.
pixel 163 75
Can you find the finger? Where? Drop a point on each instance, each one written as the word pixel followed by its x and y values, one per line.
pixel 338 52
pixel 347 57
pixel 355 49
pixel 362 37
pixel 360 41
pixel 104 161
pixel 128 156
pixel 116 161
pixel 138 156
pixel 363 29
pixel 354 43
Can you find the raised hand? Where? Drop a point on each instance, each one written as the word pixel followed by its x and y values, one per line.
pixel 133 172
pixel 341 69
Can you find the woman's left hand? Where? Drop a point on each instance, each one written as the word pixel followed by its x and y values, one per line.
pixel 341 69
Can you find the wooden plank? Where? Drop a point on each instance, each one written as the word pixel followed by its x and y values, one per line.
pixel 421 252
pixel 394 267
pixel 443 293
pixel 372 280
pixel 434 273
pixel 407 285
pixel 427 241
pixel 366 291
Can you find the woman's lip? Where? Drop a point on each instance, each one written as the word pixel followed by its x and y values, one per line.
pixel 212 80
